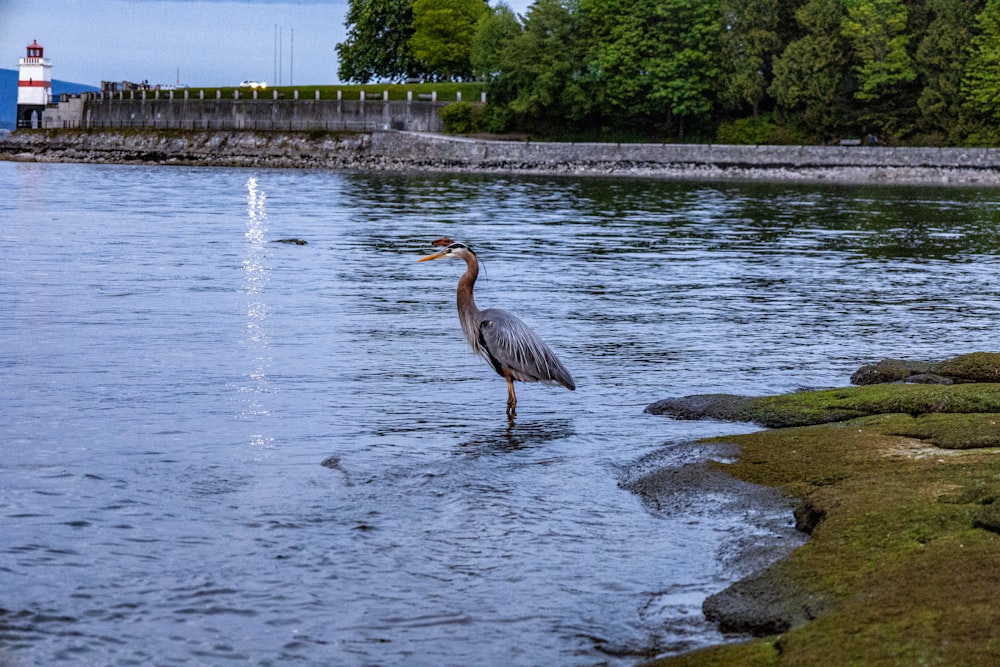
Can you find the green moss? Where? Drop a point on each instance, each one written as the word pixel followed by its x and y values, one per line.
pixel 819 407
pixel 974 367
pixel 948 431
pixel 759 653
pixel 906 555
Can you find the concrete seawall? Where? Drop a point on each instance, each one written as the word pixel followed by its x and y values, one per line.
pixel 246 110
pixel 250 114
pixel 404 151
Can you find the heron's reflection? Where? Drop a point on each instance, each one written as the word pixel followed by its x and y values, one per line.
pixel 515 435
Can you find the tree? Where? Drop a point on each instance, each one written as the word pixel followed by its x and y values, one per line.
pixel 496 29
pixel 812 82
pixel 442 36
pixel 940 60
pixel 378 41
pixel 685 79
pixel 877 31
pixel 981 86
pixel 749 40
pixel 656 57
pixel 544 78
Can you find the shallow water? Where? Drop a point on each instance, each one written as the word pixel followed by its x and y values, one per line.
pixel 220 449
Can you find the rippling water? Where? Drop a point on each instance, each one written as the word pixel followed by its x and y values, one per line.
pixel 171 381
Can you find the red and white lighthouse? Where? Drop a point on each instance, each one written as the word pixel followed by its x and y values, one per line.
pixel 34 86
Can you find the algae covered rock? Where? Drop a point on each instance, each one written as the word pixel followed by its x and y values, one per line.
pixel 899 490
pixel 948 430
pixel 904 545
pixel 988 518
pixel 833 405
pixel 889 370
pixel 973 367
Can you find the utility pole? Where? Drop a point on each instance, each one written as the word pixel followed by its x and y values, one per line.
pixel 291 57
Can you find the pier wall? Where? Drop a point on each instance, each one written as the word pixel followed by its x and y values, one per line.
pixel 94 112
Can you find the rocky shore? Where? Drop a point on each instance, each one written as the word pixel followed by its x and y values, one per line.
pixel 412 151
pixel 897 484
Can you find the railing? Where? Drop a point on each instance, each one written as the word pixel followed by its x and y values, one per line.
pixel 341 125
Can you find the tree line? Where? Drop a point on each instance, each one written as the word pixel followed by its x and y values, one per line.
pixel 745 71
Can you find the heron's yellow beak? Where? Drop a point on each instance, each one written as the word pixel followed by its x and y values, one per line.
pixel 427 258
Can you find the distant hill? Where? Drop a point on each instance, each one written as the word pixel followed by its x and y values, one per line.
pixel 8 95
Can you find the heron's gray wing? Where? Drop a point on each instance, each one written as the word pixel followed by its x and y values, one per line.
pixel 511 345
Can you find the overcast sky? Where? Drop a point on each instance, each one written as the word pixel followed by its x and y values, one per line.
pixel 210 42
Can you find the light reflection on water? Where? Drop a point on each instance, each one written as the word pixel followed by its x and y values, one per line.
pixel 172 381
pixel 257 338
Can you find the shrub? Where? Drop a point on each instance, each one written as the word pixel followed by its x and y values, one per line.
pixel 756 131
pixel 461 117
pixel 316 133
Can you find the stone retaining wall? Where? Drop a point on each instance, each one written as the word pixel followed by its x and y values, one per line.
pixel 967 163
pixel 400 151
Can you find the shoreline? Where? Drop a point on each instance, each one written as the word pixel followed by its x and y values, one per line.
pixel 401 152
pixel 896 488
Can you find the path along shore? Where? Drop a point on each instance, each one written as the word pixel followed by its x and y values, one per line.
pixel 412 151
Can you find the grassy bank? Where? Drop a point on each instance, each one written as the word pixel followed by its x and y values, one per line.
pixel 903 504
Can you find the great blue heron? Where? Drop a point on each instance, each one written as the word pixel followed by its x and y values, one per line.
pixel 512 348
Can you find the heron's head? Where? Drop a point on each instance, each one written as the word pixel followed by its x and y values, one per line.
pixel 449 249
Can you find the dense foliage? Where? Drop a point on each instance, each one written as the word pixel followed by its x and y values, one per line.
pixel 893 71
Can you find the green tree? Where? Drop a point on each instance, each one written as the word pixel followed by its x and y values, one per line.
pixel 656 58
pixel 981 85
pixel 940 61
pixel 442 36
pixel 812 84
pixel 749 40
pixel 377 43
pixel 495 31
pixel 544 78
pixel 876 30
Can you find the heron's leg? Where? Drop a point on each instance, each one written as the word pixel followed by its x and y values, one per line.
pixel 511 396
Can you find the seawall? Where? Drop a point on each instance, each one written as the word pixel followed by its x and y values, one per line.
pixel 414 151
pixel 248 114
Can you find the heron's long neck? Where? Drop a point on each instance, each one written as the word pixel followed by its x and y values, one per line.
pixel 468 313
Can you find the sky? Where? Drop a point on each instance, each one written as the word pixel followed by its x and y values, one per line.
pixel 201 42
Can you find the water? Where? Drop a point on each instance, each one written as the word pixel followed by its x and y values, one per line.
pixel 171 381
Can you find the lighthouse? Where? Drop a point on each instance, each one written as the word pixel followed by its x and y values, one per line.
pixel 34 86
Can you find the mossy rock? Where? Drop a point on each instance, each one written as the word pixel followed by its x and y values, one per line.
pixel 974 367
pixel 759 653
pixel 834 405
pixel 889 370
pixel 902 564
pixel 948 431
pixel 988 518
